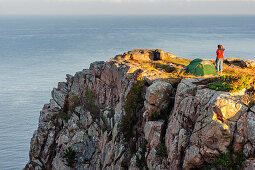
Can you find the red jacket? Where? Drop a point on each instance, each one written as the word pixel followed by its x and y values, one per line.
pixel 220 54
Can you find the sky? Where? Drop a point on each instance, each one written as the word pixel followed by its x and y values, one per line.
pixel 127 7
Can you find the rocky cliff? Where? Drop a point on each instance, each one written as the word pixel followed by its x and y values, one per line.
pixel 121 115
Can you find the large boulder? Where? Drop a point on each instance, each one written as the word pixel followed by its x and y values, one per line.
pixel 158 94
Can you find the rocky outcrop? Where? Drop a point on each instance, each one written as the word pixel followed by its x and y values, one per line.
pixel 240 63
pixel 204 124
pixel 94 116
pixel 146 55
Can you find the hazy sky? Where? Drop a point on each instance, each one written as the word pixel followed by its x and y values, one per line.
pixel 85 7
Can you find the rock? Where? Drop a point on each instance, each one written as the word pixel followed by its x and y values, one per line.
pixel 253 109
pixel 146 55
pixel 63 140
pixel 153 132
pixel 92 131
pixel 54 105
pixel 209 118
pixel 248 150
pixel 249 164
pixel 201 126
pixel 78 137
pixel 245 131
pixel 86 119
pixel 192 158
pixel 59 97
pixel 249 63
pixel 96 68
pixel 85 150
pixel 165 55
pixel 72 122
pixel 150 109
pixel 250 127
pixel 235 62
pixel 158 93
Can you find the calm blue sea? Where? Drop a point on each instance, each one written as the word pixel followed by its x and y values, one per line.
pixel 37 52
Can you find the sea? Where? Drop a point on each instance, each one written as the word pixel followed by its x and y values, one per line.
pixel 36 52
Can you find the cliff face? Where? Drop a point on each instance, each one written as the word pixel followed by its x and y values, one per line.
pixel 116 115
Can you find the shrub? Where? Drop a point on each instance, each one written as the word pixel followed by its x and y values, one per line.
pixel 62 115
pixel 228 160
pixel 134 97
pixel 231 83
pixel 69 156
pixel 90 102
pixel 125 163
pixel 66 107
pixel 163 115
pixel 141 161
pixel 131 105
pixel 126 126
pixel 75 102
pixel 161 150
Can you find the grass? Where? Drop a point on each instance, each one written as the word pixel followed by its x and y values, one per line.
pixel 231 83
pixel 180 61
pixel 69 157
pixel 164 67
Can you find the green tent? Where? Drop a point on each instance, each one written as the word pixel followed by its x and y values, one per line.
pixel 201 67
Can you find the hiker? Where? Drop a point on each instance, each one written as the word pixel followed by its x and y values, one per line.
pixel 220 58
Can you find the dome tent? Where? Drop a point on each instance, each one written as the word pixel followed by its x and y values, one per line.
pixel 201 67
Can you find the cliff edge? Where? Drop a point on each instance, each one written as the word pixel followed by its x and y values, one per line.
pixel 140 110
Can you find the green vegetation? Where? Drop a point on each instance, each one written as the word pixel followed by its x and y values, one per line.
pixel 90 102
pixel 126 126
pixel 69 156
pixel 134 97
pixel 163 115
pixel 69 105
pixel 125 163
pixel 62 115
pixel 229 160
pixel 75 102
pixel 66 107
pixel 131 105
pixel 140 159
pixel 231 83
pixel 161 150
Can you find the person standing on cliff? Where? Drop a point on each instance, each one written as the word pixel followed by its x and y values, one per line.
pixel 220 58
